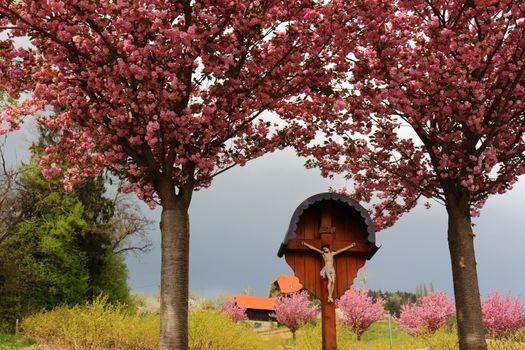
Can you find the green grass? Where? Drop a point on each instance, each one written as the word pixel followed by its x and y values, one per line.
pixel 11 342
pixel 376 338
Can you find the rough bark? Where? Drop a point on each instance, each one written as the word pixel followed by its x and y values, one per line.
pixel 466 290
pixel 174 227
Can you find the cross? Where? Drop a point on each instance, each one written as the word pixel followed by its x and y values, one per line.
pixel 335 222
pixel 327 232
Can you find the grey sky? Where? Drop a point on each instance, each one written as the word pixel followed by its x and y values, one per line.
pixel 238 224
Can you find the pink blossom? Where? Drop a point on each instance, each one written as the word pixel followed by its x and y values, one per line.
pixel 235 312
pixel 52 171
pixel 12 115
pixel 359 311
pixel 427 316
pixel 117 74
pixel 294 310
pixel 414 72
pixel 502 315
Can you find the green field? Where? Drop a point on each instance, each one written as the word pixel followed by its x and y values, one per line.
pixel 100 326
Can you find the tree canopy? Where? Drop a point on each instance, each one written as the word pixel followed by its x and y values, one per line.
pixel 433 107
pixel 168 95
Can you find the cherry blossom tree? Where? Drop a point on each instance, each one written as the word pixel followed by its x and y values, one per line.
pixel 359 311
pixel 294 310
pixel 427 316
pixel 502 315
pixel 168 95
pixel 235 312
pixel 433 107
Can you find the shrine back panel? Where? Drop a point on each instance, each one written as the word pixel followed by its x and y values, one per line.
pixel 336 221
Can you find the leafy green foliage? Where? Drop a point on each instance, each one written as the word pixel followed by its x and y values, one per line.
pixel 59 249
pixel 111 280
pixel 5 99
pixel 49 250
pixel 42 265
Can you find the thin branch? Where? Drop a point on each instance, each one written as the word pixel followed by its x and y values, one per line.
pixel 466 5
pixel 223 170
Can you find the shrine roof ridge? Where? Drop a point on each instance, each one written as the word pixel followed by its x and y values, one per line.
pixel 291 232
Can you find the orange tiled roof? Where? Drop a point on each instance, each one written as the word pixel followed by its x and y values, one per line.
pixel 251 302
pixel 289 284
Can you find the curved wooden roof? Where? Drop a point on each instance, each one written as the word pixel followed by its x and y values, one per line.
pixel 291 232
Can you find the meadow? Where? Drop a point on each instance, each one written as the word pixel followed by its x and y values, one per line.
pixel 11 342
pixel 99 326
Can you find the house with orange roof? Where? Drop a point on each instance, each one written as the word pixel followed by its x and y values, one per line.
pixel 285 284
pixel 257 308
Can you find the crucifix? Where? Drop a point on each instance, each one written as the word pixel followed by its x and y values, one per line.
pixel 329 238
pixel 328 271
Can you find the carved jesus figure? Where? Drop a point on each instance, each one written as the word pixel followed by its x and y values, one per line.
pixel 328 271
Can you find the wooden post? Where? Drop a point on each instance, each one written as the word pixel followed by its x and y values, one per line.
pixel 390 329
pixel 16 327
pixel 327 309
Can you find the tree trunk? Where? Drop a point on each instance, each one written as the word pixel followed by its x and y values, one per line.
pixel 466 290
pixel 175 228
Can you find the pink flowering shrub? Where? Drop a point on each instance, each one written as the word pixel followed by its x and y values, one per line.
pixel 235 312
pixel 502 315
pixel 359 311
pixel 427 316
pixel 294 310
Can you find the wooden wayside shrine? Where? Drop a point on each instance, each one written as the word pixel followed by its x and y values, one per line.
pixel 335 221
